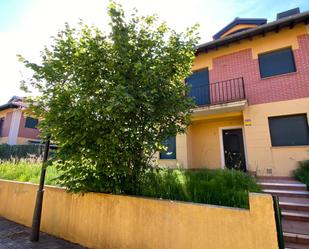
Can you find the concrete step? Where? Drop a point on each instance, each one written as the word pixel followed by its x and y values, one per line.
pixel 295 246
pixel 283 185
pixel 288 193
pixel 294 200
pixel 301 239
pixel 294 206
pixel 291 226
pixel 276 179
pixel 295 215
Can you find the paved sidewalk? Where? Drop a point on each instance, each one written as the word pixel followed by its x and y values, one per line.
pixel 16 236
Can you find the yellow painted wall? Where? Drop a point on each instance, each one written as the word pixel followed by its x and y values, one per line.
pixel 205 141
pixel 189 147
pixel 22 140
pixel 199 147
pixel 259 44
pixel 111 221
pixel 238 27
pixel 3 140
pixel 261 155
pixel 4 112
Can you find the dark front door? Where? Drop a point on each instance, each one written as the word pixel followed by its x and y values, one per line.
pixel 234 153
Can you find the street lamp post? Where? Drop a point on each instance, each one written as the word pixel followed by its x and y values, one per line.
pixel 36 221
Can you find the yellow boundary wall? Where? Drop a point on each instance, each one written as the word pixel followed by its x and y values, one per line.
pixel 114 221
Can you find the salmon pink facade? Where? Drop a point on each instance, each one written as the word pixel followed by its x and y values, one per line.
pixel 16 126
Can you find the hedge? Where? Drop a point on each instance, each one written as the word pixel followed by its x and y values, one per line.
pixel 19 151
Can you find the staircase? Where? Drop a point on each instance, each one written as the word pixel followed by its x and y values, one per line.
pixel 294 204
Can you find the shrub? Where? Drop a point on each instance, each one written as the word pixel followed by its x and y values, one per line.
pixel 112 99
pixel 19 151
pixel 302 172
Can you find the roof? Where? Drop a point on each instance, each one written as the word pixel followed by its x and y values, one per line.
pixel 8 106
pixel 289 21
pixel 288 13
pixel 16 99
pixel 14 102
pixel 236 21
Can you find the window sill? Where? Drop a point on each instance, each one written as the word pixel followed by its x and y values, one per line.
pixel 278 75
pixel 289 147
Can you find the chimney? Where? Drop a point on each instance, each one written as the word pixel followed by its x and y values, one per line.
pixel 288 13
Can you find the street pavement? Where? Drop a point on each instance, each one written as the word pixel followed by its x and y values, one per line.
pixel 16 236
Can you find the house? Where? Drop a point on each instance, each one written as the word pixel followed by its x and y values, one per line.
pixel 16 126
pixel 251 88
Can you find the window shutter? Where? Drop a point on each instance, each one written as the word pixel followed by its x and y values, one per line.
pixel 31 123
pixel 276 63
pixel 289 130
pixel 199 82
pixel 170 153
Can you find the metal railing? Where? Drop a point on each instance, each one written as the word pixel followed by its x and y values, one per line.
pixel 278 215
pixel 219 92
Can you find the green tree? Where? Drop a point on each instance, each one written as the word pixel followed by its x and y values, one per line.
pixel 110 100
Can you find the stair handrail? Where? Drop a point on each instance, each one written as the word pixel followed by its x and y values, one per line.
pixel 278 217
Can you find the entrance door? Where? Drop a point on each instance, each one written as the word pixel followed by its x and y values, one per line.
pixel 234 152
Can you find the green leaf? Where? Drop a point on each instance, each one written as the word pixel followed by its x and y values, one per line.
pixel 109 100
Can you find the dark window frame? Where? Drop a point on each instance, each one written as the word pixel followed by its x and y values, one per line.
pixel 277 74
pixel 1 125
pixel 163 154
pixel 28 123
pixel 272 136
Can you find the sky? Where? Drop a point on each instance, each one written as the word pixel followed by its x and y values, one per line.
pixel 27 25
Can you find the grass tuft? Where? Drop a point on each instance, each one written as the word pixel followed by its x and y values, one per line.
pixel 302 172
pixel 217 187
pixel 25 171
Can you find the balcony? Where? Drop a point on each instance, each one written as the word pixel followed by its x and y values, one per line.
pixel 219 97
pixel 226 91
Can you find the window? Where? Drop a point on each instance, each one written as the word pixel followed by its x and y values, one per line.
pixel 289 130
pixel 31 123
pixel 1 126
pixel 199 82
pixel 276 63
pixel 170 153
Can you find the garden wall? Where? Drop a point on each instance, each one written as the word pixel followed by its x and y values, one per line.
pixel 114 221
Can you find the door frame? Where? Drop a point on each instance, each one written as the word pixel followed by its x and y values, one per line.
pixel 222 157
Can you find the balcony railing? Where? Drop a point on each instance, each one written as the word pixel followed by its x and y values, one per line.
pixel 219 92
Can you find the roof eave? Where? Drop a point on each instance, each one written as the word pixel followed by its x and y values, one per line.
pixel 8 106
pixel 237 21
